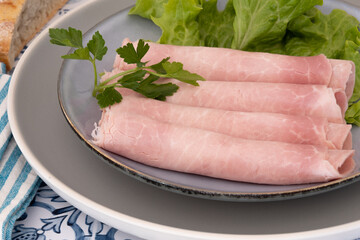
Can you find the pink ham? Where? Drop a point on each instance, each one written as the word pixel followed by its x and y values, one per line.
pixel 247 125
pixel 219 64
pixel 293 99
pixel 279 121
pixel 208 153
pixel 343 74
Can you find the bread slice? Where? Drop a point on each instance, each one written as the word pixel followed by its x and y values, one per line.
pixel 20 20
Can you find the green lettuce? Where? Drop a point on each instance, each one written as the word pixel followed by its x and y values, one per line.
pixel 178 22
pixel 148 8
pixel 189 22
pixel 314 33
pixel 291 27
pixel 216 27
pixel 352 114
pixel 261 25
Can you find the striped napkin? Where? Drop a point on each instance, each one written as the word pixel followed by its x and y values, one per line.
pixel 18 182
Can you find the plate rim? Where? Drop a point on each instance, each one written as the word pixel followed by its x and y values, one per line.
pixel 78 199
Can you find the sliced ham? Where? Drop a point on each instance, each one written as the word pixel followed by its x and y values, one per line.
pixel 247 125
pixel 220 64
pixel 261 118
pixel 343 74
pixel 198 151
pixel 293 99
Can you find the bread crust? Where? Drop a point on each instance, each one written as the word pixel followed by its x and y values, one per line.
pixel 14 14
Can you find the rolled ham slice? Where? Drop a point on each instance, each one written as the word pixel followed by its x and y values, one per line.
pixel 279 121
pixel 220 64
pixel 343 76
pixel 247 125
pixel 198 151
pixel 292 99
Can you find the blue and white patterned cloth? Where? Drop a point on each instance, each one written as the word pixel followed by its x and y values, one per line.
pixel 29 209
pixel 51 217
pixel 18 182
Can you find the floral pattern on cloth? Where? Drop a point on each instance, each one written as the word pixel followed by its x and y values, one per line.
pixel 51 217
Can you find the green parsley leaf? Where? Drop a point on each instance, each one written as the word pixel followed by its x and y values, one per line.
pixel 71 37
pixel 131 85
pixel 142 49
pixel 175 70
pixel 158 67
pixel 130 55
pixel 156 91
pixel 97 46
pixel 172 67
pixel 132 77
pixel 132 80
pixel 108 97
pixel 140 79
pixel 80 54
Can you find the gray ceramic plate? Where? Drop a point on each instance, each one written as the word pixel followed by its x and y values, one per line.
pixel 75 173
pixel 82 111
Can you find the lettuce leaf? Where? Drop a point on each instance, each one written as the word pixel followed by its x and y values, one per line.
pixel 194 22
pixel 148 8
pixel 314 33
pixel 216 27
pixel 352 53
pixel 178 22
pixel 352 114
pixel 261 25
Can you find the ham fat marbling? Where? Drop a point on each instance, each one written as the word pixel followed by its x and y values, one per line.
pixel 294 99
pixel 219 64
pixel 267 119
pixel 198 151
pixel 259 125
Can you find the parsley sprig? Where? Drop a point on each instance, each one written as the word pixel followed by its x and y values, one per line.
pixel 141 78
